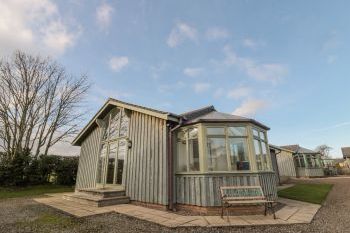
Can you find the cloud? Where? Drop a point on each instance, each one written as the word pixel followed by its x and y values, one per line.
pixel 118 63
pixel 272 72
pixel 181 32
pixel 250 43
pixel 193 72
pixel 335 126
pixel 218 93
pixel 216 33
pixel 331 59
pixel 104 15
pixel 201 87
pixel 250 107
pixel 35 26
pixel 239 92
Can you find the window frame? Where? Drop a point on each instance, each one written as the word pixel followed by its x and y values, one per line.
pixel 227 136
pixel 261 137
pixel 187 138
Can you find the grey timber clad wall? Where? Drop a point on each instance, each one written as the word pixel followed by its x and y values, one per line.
pixel 203 190
pixel 146 176
pixel 309 172
pixel 86 176
pixel 286 166
pixel 269 185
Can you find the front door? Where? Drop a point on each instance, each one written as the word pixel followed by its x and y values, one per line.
pixel 111 164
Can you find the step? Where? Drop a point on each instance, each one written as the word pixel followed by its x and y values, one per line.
pixel 103 193
pixel 96 201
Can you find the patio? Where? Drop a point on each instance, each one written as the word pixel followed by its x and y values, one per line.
pixel 293 212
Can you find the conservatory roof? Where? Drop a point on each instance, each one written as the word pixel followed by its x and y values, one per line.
pixel 209 114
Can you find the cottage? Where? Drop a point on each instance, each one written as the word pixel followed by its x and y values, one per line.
pixel 160 158
pixel 346 152
pixel 308 163
pixel 285 168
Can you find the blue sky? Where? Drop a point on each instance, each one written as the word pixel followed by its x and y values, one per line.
pixel 284 63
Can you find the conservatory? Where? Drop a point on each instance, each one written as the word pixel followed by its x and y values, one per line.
pixel 217 149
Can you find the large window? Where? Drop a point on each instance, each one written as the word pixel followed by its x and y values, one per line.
pixel 261 148
pixel 188 150
pixel 227 149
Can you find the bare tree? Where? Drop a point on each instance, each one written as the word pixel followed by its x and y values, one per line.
pixel 40 104
pixel 324 150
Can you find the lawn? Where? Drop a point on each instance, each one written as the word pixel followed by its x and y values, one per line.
pixel 313 193
pixel 33 190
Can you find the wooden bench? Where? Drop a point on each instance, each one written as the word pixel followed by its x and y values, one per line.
pixel 250 195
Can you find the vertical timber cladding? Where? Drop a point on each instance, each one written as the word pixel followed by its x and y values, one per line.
pixel 146 173
pixel 88 160
pixel 204 190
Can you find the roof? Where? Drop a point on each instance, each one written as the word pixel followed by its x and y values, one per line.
pixel 345 151
pixel 209 114
pixel 279 148
pixel 205 114
pixel 298 149
pixel 110 103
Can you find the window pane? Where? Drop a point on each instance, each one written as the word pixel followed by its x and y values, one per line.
pixel 257 154
pixel 181 156
pixel 238 153
pixel 215 131
pixel 237 131
pixel 217 158
pixel 264 155
pixel 114 124
pixel 193 154
pixel 193 133
pixel 255 133
pixel 101 161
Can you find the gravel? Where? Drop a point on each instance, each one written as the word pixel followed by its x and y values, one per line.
pixel 25 215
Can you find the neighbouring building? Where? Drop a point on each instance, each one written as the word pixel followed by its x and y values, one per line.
pixel 346 152
pixel 171 160
pixel 285 165
pixel 308 163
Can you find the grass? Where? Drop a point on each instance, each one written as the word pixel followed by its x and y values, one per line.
pixel 32 190
pixel 313 193
pixel 44 220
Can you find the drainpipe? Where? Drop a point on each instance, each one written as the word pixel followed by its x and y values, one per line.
pixel 170 156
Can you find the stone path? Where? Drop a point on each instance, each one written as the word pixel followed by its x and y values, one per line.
pixel 293 212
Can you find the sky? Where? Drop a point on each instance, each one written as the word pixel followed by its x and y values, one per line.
pixel 283 63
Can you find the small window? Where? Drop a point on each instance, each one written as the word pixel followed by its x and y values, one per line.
pixel 217 157
pixel 238 154
pixel 237 131
pixel 188 150
pixel 215 131
pixel 258 154
pixel 255 133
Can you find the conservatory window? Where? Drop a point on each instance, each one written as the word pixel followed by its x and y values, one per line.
pixel 227 148
pixel 188 150
pixel 261 149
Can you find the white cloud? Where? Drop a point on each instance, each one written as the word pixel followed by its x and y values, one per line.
pixel 239 92
pixel 181 32
pixel 118 63
pixel 250 107
pixel 193 72
pixel 104 15
pixel 272 72
pixel 35 26
pixel 216 33
pixel 218 93
pixel 250 43
pixel 331 59
pixel 201 87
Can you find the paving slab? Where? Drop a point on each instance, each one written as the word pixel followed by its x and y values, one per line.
pixel 293 212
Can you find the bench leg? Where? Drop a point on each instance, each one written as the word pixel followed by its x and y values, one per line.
pixel 222 210
pixel 273 211
pixel 265 204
